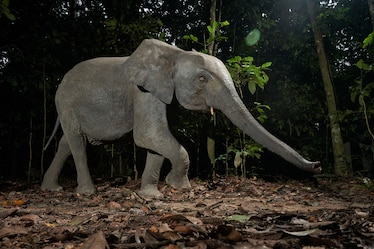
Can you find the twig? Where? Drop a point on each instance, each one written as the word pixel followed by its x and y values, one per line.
pixel 145 245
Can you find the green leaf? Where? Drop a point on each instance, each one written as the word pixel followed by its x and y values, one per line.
pixel 239 217
pixel 368 40
pixel 248 59
pixel 361 100
pixel 225 23
pixel 216 25
pixel 210 29
pixel 266 64
pixel 4 9
pixel 111 24
pixel 211 149
pixel 363 66
pixel 252 87
pixel 234 59
pixel 9 15
pixel 194 38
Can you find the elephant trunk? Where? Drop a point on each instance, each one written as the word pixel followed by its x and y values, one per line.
pixel 239 115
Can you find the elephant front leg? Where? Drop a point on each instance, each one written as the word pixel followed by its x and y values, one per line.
pixel 168 147
pixel 151 175
pixel 178 176
pixel 50 180
pixel 151 131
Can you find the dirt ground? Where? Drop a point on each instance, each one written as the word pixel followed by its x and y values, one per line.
pixel 224 213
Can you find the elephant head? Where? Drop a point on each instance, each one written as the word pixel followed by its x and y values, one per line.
pixel 201 82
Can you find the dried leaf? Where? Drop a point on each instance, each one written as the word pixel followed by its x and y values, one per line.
pixel 172 236
pixel 30 217
pixel 183 230
pixel 12 231
pixel 62 236
pixel 96 241
pixel 114 205
pixel 18 202
pixel 176 217
pixel 7 212
pixel 228 234
pixel 77 220
pixel 301 233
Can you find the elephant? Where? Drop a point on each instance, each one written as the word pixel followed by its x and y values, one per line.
pixel 102 99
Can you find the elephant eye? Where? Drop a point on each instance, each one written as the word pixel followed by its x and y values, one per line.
pixel 202 78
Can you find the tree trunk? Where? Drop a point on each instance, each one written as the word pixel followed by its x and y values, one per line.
pixel 211 51
pixel 371 10
pixel 212 35
pixel 340 165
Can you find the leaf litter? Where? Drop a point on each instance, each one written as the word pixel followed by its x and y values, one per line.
pixel 225 213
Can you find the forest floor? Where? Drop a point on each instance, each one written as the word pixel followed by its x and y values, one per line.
pixel 225 213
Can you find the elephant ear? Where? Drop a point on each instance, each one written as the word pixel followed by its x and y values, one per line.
pixel 150 67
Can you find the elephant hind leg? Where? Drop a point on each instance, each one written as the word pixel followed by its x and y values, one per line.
pixel 77 145
pixel 50 180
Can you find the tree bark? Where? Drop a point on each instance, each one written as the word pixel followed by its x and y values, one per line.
pixel 340 165
pixel 213 7
pixel 211 51
pixel 371 10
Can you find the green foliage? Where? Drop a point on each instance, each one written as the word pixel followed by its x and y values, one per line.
pixel 215 35
pixel 244 72
pixel 119 32
pixel 368 40
pixel 33 50
pixel 260 109
pixel 363 89
pixel 4 10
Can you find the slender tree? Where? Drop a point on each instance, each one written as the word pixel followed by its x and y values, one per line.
pixel 340 164
pixel 371 10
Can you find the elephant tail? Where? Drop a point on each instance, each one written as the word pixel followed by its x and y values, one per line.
pixel 57 124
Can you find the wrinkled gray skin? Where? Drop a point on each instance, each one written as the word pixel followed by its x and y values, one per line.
pixel 104 98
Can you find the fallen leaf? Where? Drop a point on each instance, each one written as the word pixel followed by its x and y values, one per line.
pixel 362 214
pixel 77 220
pixel 239 218
pixel 172 236
pixel 18 202
pixel 228 234
pixel 114 205
pixel 61 236
pixel 301 233
pixel 96 241
pixel 7 212
pixel 50 225
pixel 183 230
pixel 172 246
pixel 12 231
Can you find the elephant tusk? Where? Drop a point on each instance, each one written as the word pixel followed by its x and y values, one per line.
pixel 211 111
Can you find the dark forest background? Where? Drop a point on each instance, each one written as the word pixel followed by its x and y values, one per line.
pixel 42 39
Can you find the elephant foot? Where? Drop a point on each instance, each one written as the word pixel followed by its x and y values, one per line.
pixel 178 182
pixel 86 189
pixel 150 191
pixel 51 187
